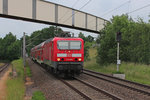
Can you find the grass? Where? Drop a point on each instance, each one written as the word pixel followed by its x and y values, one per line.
pixel 1 64
pixel 134 72
pixel 15 86
pixel 38 95
pixel 28 70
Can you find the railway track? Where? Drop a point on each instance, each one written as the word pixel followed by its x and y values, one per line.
pixel 76 90
pixel 144 89
pixel 101 94
pixel 2 68
pixel 108 96
pixel 94 86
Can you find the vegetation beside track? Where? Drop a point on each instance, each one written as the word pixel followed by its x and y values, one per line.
pixel 1 64
pixel 134 72
pixel 15 86
pixel 38 95
pixel 28 70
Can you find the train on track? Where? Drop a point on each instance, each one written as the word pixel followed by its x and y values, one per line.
pixel 61 55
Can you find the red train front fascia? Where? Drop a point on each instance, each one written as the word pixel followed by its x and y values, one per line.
pixel 62 54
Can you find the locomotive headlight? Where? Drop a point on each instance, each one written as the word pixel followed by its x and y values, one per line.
pixel 58 59
pixel 79 59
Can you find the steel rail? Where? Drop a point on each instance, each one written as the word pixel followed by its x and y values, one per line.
pixel 3 67
pixel 76 90
pixel 114 97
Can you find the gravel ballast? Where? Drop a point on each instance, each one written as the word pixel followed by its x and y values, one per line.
pixel 52 88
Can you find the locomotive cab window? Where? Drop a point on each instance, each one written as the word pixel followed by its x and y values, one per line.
pixel 62 45
pixel 69 45
pixel 75 45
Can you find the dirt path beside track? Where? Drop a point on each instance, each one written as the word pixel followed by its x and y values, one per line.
pixel 3 80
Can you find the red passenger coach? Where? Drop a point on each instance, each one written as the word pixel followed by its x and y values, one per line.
pixel 62 55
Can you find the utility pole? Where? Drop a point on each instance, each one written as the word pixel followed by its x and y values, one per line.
pixel 24 50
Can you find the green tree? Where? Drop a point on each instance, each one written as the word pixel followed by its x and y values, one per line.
pixel 81 35
pixel 13 50
pixel 86 46
pixel 134 46
pixel 90 38
pixel 9 47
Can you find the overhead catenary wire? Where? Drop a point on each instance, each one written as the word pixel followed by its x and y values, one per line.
pixel 104 13
pixel 129 7
pixel 113 9
pixel 136 10
pixel 116 8
pixel 68 11
pixel 37 36
pixel 34 37
pixel 76 12
pixel 58 19
pixel 139 9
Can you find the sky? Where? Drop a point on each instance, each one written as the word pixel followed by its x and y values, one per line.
pixel 101 8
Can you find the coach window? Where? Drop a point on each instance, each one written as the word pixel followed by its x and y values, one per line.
pixel 52 45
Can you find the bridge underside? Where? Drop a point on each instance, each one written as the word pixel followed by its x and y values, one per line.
pixel 40 11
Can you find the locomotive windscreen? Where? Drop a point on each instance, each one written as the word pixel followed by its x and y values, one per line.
pixel 69 45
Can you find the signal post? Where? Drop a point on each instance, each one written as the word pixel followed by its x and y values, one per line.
pixel 118 39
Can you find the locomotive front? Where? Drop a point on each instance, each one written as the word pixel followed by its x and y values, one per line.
pixel 69 55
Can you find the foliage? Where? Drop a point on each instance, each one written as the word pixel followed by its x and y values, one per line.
pixel 117 72
pixel 15 87
pixel 89 38
pixel 135 43
pixel 86 50
pixel 38 95
pixel 9 47
pixel 87 44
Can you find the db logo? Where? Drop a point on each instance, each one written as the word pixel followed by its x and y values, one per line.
pixel 68 55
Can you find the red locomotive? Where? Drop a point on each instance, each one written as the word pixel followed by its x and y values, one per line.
pixel 62 55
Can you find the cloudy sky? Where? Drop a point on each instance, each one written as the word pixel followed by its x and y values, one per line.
pixel 102 8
